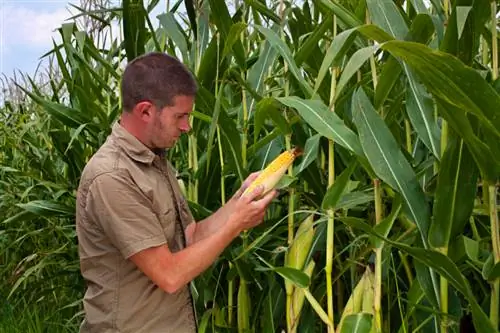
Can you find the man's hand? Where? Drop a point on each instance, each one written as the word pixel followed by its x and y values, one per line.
pixel 245 212
pixel 202 229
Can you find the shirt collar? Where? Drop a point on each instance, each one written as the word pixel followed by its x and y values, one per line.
pixel 134 148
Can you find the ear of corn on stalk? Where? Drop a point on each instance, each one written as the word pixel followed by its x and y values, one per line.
pixel 275 170
pixel 298 299
pixel 361 299
pixel 300 247
pixel 243 308
pixel 296 258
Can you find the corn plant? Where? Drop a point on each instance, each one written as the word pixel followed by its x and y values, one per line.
pixel 387 222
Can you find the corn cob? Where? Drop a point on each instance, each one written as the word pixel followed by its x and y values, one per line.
pixel 295 258
pixel 300 247
pixel 301 244
pixel 243 308
pixel 361 299
pixel 298 299
pixel 272 174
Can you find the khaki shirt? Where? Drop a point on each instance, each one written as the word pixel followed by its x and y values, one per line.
pixel 129 200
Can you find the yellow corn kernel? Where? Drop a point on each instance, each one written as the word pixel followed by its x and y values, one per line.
pixel 272 174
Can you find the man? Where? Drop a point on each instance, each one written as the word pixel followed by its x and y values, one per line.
pixel 139 246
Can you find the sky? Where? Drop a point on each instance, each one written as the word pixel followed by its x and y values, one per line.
pixel 27 28
pixel 26 31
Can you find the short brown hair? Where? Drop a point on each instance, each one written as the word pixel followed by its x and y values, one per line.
pixel 156 77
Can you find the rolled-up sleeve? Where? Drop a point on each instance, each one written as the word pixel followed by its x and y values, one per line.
pixel 124 213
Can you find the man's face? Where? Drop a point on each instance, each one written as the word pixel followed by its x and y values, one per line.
pixel 168 124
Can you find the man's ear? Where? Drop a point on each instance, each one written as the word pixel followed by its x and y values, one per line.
pixel 144 110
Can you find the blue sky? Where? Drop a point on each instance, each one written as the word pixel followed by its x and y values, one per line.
pixel 26 31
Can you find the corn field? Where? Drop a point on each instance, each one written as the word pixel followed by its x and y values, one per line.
pixel 387 222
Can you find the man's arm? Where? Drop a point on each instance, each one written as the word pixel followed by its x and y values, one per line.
pixel 171 271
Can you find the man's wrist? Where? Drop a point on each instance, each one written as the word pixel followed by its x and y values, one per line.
pixel 231 227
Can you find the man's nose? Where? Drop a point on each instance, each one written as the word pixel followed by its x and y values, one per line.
pixel 185 126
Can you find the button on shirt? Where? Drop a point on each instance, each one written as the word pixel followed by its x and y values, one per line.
pixel 129 200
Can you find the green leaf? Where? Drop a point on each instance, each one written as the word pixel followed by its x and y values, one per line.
pixel 441 264
pixel 391 71
pixel 450 81
pixel 297 277
pixel 336 50
pixel 344 15
pixel 223 21
pixel 341 43
pixel 388 161
pixel 464 248
pixel 257 73
pixel 355 62
pixel 47 208
pixel 75 136
pixel 455 194
pixel 262 9
pixel 213 126
pixel 232 37
pixel 66 115
pixel 285 52
pixel 385 226
pixel 172 29
pixel 310 154
pixel 419 6
pixel 420 109
pixel 486 160
pixel 269 108
pixel 357 323
pixel 386 15
pixel 325 122
pixel 337 189
pixel 190 9
pixel 354 199
pixel 310 44
pixel 491 271
pixel 134 28
pixel 462 14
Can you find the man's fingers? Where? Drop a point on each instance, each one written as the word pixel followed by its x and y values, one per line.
pixel 250 179
pixel 266 199
pixel 253 195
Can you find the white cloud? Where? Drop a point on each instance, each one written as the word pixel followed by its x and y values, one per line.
pixel 22 25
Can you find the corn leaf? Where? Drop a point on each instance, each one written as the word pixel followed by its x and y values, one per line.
pixel 354 64
pixel 325 122
pixel 450 81
pixel 357 323
pixel 224 22
pixel 285 52
pixel 47 208
pixel 310 154
pixel 491 271
pixel 420 109
pixel 386 15
pixel 388 161
pixel 455 194
pixel 441 264
pixel 337 189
